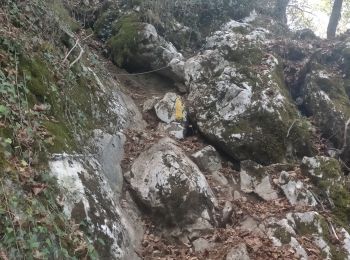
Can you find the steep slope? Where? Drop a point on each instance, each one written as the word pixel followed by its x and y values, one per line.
pixel 236 150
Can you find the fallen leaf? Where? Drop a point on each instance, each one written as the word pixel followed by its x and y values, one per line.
pixel 3 256
pixel 38 188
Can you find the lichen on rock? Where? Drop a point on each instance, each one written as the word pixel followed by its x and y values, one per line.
pixel 238 103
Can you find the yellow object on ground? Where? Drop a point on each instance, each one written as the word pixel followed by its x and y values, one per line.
pixel 180 114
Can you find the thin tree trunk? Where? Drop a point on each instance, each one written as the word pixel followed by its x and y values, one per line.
pixel 334 19
pixel 280 11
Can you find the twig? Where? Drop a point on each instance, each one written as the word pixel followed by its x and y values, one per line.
pixel 344 164
pixel 345 135
pixel 75 45
pixel 79 57
pixel 290 128
pixel 333 230
pixel 317 200
pixel 330 200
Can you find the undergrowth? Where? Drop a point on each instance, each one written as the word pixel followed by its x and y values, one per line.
pixel 32 124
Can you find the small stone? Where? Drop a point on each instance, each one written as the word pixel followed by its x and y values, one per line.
pixel 174 129
pixel 202 244
pixel 220 178
pixel 254 179
pixel 236 195
pixel 238 253
pixel 207 159
pixel 227 212
pixel 265 189
pixel 171 108
pixel 149 104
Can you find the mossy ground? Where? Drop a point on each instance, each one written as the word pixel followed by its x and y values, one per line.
pixel 48 105
pixel 63 14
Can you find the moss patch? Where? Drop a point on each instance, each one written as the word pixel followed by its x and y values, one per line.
pixel 63 139
pixel 103 25
pixel 282 234
pixel 341 199
pixel 124 43
pixel 38 77
pixel 58 7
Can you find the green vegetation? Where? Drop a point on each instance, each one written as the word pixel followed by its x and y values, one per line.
pixel 124 43
pixel 63 14
pixel 42 105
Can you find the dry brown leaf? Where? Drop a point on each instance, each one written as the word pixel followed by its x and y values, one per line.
pixel 38 188
pixel 3 256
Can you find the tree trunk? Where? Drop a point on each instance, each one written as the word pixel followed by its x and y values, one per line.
pixel 280 11
pixel 334 19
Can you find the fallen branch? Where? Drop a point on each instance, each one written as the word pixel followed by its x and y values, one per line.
pixel 77 43
pixel 333 230
pixel 344 164
pixel 79 57
pixel 291 127
pixel 345 135
pixel 317 200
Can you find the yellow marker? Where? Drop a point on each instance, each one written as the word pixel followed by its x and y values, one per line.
pixel 179 110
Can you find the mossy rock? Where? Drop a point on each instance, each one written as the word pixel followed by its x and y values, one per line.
pixel 327 176
pixel 124 43
pixel 321 168
pixel 282 234
pixel 325 98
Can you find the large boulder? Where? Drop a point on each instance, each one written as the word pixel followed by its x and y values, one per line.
pixel 239 100
pixel 137 46
pixel 169 184
pixel 323 92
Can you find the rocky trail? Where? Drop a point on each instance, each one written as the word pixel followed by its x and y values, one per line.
pixel 245 222
pixel 231 209
pixel 115 144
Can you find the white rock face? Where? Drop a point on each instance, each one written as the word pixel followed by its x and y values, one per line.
pixel 110 150
pixel 346 242
pixel 171 185
pixel 89 197
pixel 207 159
